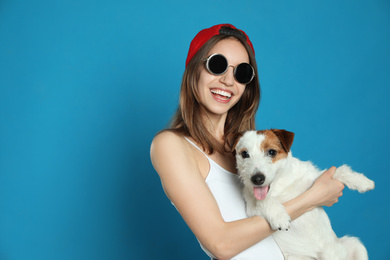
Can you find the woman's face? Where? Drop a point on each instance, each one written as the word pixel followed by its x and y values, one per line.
pixel 220 93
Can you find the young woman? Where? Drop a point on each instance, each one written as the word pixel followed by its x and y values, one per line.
pixel 219 96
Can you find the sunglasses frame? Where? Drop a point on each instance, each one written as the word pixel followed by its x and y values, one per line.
pixel 207 60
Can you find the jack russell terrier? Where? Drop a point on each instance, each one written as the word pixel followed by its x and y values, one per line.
pixel 271 176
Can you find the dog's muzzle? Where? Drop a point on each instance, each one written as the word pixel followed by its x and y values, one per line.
pixel 258 179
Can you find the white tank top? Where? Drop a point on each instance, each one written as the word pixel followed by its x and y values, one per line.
pixel 226 188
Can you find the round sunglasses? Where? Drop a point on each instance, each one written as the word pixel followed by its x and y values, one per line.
pixel 217 65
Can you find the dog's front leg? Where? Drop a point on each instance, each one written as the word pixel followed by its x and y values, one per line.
pixel 353 180
pixel 276 215
pixel 273 211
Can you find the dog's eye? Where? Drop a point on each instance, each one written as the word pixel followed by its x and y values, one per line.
pixel 245 154
pixel 272 153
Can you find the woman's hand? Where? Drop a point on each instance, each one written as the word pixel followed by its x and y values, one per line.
pixel 326 191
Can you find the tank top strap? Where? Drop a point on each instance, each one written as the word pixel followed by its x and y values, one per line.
pixel 196 147
pixel 213 165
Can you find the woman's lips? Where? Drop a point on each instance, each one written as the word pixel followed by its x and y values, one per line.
pixel 221 95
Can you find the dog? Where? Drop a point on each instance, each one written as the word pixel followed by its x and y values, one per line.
pixel 271 176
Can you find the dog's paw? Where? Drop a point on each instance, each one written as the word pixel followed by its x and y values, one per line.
pixel 366 185
pixel 353 180
pixel 279 225
pixel 277 217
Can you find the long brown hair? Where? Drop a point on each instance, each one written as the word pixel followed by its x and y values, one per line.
pixel 188 117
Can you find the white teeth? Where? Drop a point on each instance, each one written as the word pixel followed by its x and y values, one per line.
pixel 221 92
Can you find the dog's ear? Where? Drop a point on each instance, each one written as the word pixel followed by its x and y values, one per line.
pixel 286 138
pixel 233 140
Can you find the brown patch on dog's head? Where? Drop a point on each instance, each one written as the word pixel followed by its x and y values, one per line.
pixel 286 138
pixel 277 143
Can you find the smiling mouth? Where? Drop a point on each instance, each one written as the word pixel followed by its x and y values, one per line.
pixel 220 94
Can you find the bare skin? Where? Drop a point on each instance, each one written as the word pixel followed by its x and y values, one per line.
pixel 183 169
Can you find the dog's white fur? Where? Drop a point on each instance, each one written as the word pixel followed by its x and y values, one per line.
pixel 309 236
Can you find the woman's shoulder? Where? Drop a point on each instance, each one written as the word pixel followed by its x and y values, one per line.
pixel 167 138
pixel 171 153
pixel 168 142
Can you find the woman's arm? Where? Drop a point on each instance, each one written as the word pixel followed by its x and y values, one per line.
pixel 186 188
pixel 324 192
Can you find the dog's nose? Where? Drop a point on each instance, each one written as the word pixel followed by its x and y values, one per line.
pixel 258 179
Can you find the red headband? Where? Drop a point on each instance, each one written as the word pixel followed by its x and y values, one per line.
pixel 203 36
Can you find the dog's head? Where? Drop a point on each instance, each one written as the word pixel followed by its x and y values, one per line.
pixel 259 156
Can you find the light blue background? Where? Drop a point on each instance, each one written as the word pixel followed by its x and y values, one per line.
pixel 85 85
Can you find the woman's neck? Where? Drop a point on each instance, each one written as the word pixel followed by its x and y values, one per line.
pixel 215 124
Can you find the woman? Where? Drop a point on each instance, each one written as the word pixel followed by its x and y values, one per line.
pixel 219 96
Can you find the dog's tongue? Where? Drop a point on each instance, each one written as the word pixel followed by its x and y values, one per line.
pixel 260 192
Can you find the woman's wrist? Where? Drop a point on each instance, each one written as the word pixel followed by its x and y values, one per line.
pixel 300 205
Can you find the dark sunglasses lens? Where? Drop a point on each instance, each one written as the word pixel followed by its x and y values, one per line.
pixel 244 73
pixel 217 64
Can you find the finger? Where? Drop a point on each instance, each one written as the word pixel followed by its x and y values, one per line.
pixel 331 171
